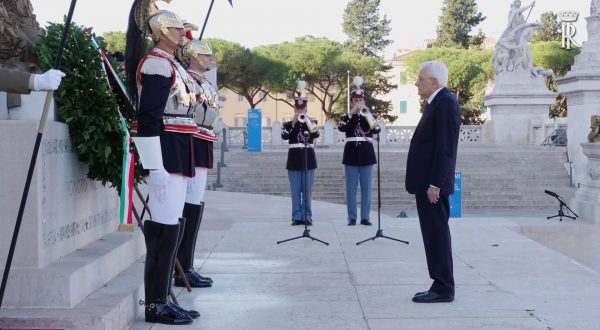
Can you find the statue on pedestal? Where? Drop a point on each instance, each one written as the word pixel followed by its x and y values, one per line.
pixel 19 32
pixel 594 135
pixel 595 8
pixel 512 50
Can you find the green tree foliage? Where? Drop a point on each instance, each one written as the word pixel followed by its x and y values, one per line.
pixel 457 20
pixel 243 71
pixel 86 104
pixel 114 41
pixel 550 55
pixel 367 33
pixel 324 64
pixel 551 30
pixel 470 71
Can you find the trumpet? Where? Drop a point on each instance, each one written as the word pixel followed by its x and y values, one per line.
pixel 303 118
pixel 369 117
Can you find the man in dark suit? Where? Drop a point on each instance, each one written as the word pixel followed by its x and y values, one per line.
pixel 430 176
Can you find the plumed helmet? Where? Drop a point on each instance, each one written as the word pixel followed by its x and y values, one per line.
pixel 161 22
pixel 189 27
pixel 192 51
pixel 300 101
pixel 357 93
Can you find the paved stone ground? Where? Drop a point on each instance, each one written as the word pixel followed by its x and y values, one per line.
pixel 505 280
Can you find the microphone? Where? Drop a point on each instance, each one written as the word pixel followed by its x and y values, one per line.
pixel 553 194
pixel 306 134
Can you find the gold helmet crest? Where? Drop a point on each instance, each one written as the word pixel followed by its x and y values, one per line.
pixel 161 22
pixel 152 22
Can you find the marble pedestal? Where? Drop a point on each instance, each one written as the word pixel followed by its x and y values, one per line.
pixel 582 87
pixel 586 202
pixel 60 256
pixel 516 103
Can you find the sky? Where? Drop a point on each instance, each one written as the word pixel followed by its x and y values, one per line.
pixel 262 22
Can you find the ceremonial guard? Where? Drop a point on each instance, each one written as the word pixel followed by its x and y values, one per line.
pixel 198 58
pixel 301 162
pixel 359 154
pixel 165 99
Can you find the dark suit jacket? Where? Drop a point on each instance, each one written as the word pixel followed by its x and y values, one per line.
pixel 432 154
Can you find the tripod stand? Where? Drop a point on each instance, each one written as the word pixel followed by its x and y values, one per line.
pixel 379 230
pixel 306 232
pixel 562 203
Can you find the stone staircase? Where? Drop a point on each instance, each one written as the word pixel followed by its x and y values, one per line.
pixel 492 177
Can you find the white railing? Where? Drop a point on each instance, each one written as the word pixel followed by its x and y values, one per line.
pixel 395 135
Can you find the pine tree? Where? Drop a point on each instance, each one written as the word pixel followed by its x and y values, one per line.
pixel 367 33
pixel 457 20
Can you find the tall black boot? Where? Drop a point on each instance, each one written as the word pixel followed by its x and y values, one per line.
pixel 161 241
pixel 201 213
pixel 191 313
pixel 185 255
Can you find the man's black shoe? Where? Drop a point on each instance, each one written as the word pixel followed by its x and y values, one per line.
pixel 366 222
pixel 309 222
pixel 432 297
pixel 193 280
pixel 297 222
pixel 352 222
pixel 420 293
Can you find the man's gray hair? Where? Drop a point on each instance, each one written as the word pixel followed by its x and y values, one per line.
pixel 437 70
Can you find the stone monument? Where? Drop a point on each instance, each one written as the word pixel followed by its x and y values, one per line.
pixel 582 87
pixel 586 202
pixel 68 247
pixel 520 96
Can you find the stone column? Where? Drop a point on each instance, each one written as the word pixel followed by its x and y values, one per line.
pixel 276 134
pixel 582 87
pixel 329 134
pixel 586 202
pixel 517 101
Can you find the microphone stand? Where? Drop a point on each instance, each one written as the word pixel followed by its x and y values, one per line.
pixel 561 213
pixel 379 230
pixel 306 232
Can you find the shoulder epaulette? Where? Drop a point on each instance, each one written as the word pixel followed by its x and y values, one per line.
pixel 156 65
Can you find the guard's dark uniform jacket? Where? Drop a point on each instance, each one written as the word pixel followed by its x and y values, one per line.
pixel 166 108
pixel 295 160
pixel 357 153
pixel 206 113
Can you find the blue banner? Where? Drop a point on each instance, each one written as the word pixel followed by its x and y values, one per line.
pixel 255 130
pixel 456 198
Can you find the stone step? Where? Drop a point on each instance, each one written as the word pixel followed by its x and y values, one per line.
pixel 65 282
pixel 114 305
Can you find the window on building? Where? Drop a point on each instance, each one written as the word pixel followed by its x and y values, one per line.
pixel 240 98
pixel 241 121
pixel 266 121
pixel 403 78
pixel 403 106
pixel 263 97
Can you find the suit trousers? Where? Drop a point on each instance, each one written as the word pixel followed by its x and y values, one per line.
pixel 300 192
pixel 433 219
pixel 354 175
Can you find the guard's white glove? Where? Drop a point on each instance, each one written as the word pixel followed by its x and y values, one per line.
pixel 47 81
pixel 159 182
